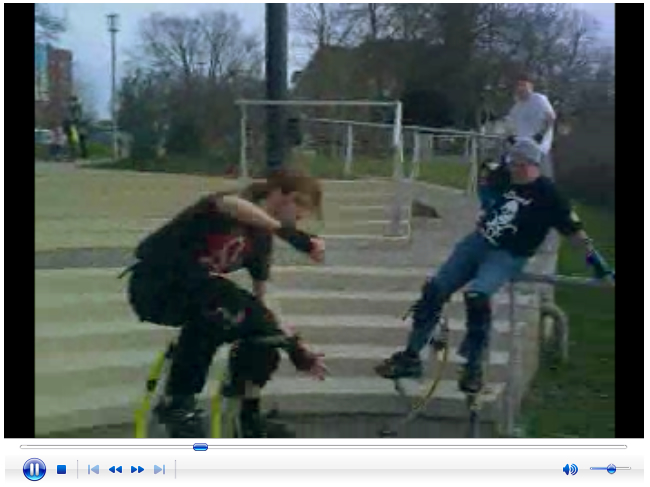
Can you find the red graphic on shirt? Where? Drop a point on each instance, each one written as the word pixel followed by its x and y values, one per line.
pixel 225 253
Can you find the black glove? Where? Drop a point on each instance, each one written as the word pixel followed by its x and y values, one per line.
pixel 298 239
pixel 538 138
pixel 511 139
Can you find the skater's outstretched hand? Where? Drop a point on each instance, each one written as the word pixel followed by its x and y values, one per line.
pixel 318 369
pixel 317 253
pixel 307 361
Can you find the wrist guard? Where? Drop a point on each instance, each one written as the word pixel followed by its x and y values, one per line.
pixel 597 262
pixel 298 239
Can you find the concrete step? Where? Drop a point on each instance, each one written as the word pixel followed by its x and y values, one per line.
pixel 325 277
pixel 106 306
pixel 321 277
pixel 97 407
pixel 125 333
pixel 341 212
pixel 341 278
pixel 367 283
pixel 357 226
pixel 341 186
pixel 359 196
pixel 68 373
pixel 343 223
pixel 317 426
pixel 301 302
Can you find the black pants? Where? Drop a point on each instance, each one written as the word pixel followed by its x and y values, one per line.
pixel 203 308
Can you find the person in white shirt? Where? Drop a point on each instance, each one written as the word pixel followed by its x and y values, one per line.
pixel 533 117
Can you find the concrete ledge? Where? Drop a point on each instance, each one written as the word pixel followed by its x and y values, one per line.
pixel 353 426
pixel 126 334
pixel 116 405
pixel 103 307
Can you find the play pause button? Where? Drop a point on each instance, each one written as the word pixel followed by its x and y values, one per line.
pixel 157 469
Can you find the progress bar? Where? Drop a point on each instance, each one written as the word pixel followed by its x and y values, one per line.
pixel 327 447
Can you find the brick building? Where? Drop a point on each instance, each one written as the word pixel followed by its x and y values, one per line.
pixel 51 110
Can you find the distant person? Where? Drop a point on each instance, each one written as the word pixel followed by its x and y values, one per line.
pixel 75 110
pixel 83 140
pixel 533 117
pixel 69 134
pixel 57 146
pixel 73 142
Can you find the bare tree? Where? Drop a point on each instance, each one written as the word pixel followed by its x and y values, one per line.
pixel 212 41
pixel 172 43
pixel 230 52
pixel 191 68
pixel 321 24
pixel 410 21
pixel 47 25
pixel 312 21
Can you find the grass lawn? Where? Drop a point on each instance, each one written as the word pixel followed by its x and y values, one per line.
pixel 577 400
pixel 448 170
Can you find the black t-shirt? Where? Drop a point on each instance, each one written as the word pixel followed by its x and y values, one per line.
pixel 522 216
pixel 204 235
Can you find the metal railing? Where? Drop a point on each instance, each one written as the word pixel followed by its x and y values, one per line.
pixel 420 143
pixel 396 126
pixel 514 382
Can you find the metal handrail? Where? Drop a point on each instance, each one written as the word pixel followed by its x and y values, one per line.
pixel 515 367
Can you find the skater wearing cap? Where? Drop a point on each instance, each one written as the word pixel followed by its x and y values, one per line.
pixel 507 235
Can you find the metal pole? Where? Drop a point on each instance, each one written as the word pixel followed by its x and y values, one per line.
pixel 243 143
pixel 349 148
pixel 398 164
pixel 513 365
pixel 112 28
pixel 276 82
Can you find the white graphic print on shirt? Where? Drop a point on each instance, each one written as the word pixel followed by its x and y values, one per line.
pixel 504 218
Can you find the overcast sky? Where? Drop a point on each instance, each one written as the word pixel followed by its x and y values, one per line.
pixel 89 40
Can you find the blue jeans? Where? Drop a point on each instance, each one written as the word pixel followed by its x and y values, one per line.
pixel 484 269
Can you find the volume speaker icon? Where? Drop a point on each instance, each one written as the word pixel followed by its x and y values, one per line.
pixel 570 469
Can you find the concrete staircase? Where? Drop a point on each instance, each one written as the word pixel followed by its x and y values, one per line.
pixel 92 357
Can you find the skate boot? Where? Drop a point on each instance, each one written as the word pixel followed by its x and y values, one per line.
pixel 181 417
pixel 471 379
pixel 403 364
pixel 258 425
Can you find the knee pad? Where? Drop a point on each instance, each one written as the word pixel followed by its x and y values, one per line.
pixel 479 315
pixel 478 308
pixel 252 363
pixel 428 308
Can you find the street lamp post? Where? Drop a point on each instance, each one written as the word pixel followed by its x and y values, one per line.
pixel 276 82
pixel 112 28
